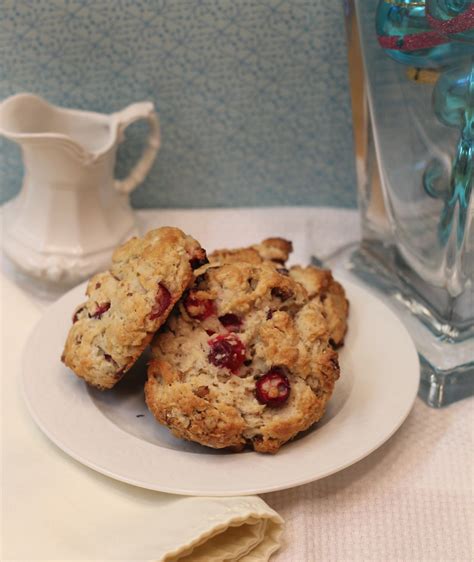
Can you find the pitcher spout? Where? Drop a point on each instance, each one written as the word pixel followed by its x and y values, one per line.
pixel 26 118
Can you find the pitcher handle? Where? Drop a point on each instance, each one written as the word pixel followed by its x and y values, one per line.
pixel 136 112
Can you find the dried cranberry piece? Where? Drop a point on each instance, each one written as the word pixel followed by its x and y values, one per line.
pixel 273 389
pixel 231 321
pixel 100 310
pixel 200 309
pixel 227 351
pixel 162 301
pixel 199 259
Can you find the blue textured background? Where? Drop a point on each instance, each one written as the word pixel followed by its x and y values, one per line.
pixel 252 94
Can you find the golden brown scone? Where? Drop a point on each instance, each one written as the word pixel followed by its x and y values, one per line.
pixel 275 250
pixel 321 286
pixel 128 303
pixel 244 359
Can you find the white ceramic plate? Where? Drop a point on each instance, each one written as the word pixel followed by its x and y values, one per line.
pixel 113 432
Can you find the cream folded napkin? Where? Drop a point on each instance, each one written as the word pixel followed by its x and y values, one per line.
pixel 53 508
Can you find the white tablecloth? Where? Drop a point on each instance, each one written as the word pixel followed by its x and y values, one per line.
pixel 412 499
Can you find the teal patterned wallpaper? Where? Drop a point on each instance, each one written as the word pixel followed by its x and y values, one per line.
pixel 252 94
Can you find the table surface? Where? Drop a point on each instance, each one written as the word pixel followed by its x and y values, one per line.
pixel 412 499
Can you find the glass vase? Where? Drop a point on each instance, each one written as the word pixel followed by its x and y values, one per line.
pixel 412 83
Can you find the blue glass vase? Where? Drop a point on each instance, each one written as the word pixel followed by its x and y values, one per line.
pixel 412 83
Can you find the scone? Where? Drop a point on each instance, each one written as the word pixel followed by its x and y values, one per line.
pixel 244 359
pixel 128 303
pixel 322 287
pixel 275 250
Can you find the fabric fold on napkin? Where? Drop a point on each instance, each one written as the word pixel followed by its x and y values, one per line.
pixel 54 508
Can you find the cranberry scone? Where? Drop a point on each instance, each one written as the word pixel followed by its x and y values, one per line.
pixel 128 303
pixel 243 359
pixel 275 250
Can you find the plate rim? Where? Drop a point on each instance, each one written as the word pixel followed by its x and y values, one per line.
pixel 173 489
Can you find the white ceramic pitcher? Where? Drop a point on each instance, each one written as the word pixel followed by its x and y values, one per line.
pixel 71 212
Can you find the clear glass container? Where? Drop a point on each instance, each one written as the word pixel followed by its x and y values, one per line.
pixel 412 83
